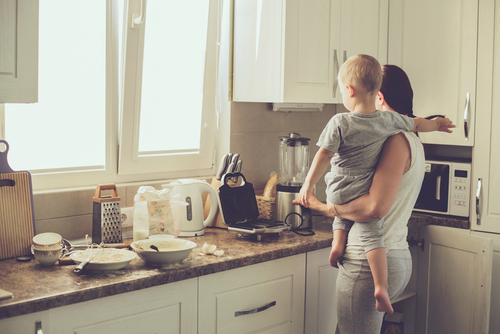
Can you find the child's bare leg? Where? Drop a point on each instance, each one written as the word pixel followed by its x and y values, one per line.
pixel 338 246
pixel 377 259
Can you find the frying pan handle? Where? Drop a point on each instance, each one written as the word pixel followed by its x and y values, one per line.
pixel 4 165
pixel 228 176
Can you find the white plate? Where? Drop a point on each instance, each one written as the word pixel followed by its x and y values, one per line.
pixel 104 259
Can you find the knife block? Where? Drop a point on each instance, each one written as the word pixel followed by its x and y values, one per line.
pixel 217 221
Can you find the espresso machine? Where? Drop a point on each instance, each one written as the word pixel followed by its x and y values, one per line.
pixel 293 168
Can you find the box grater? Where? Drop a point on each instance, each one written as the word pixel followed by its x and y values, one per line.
pixel 106 217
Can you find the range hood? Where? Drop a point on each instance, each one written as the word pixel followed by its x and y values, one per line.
pixel 298 107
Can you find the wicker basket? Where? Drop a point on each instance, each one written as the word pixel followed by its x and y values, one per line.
pixel 266 207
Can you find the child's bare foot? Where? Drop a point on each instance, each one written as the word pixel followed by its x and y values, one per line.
pixel 382 301
pixel 335 254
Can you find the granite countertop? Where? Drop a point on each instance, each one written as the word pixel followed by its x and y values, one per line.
pixel 37 288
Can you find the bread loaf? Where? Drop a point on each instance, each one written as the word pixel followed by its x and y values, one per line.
pixel 270 189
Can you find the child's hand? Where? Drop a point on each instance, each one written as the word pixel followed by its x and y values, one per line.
pixel 445 124
pixel 304 195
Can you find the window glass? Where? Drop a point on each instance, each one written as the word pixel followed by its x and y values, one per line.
pixel 66 128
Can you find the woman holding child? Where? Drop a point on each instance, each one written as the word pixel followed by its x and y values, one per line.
pixel 393 192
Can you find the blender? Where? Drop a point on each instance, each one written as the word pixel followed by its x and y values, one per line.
pixel 294 165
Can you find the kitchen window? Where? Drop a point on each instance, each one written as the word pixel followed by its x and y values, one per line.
pixel 127 92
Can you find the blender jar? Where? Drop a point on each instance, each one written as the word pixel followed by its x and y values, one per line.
pixel 293 160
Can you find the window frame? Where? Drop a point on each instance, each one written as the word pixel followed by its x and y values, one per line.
pixel 48 181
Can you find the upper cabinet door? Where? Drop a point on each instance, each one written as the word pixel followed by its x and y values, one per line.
pixel 292 50
pixel 485 213
pixel 18 51
pixel 435 42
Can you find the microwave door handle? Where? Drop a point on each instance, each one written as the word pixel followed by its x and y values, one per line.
pixel 438 188
pixel 478 194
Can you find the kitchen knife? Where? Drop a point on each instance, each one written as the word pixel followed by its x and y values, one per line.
pixel 234 161
pixel 237 169
pixel 223 165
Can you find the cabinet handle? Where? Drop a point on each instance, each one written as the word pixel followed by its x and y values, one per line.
pixel 336 70
pixel 38 327
pixel 466 117
pixel 345 56
pixel 139 19
pixel 478 194
pixel 255 310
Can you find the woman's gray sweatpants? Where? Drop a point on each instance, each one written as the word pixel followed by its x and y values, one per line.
pixel 356 312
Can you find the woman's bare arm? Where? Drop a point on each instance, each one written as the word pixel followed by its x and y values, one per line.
pixel 393 163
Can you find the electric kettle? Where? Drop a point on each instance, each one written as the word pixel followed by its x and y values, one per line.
pixel 192 223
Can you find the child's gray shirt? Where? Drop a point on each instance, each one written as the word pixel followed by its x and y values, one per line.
pixel 358 138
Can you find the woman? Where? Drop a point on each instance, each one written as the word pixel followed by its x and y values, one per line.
pixel 395 188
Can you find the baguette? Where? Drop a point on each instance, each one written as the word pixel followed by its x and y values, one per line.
pixel 270 189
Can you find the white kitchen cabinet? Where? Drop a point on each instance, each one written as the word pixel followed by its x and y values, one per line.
pixel 26 323
pixel 291 50
pixel 321 305
pixel 454 282
pixel 495 288
pixel 262 298
pixel 485 212
pixel 435 42
pixel 169 308
pixel 18 51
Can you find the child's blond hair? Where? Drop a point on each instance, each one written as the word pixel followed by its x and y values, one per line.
pixel 361 71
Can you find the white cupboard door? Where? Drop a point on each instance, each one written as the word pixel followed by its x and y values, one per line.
pixel 435 42
pixel 485 198
pixel 312 51
pixel 454 282
pixel 18 51
pixel 168 309
pixel 262 298
pixel 321 303
pixel 26 323
pixel 495 277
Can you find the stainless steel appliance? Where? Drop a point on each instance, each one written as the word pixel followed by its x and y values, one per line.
pixel 446 188
pixel 294 165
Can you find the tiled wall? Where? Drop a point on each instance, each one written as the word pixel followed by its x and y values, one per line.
pixel 254 135
pixel 255 129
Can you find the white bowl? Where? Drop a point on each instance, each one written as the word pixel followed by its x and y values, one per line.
pixel 47 257
pixel 47 241
pixel 104 258
pixel 171 251
pixel 161 236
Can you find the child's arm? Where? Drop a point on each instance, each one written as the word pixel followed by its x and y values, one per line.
pixel 428 125
pixel 320 163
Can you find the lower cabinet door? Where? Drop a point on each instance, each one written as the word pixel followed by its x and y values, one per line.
pixel 321 304
pixel 167 309
pixel 28 323
pixel 263 298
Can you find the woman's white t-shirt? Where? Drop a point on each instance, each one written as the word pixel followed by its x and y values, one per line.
pixel 395 222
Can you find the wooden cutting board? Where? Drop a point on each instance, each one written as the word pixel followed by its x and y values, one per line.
pixel 17 217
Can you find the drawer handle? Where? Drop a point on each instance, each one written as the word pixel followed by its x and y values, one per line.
pixel 255 310
pixel 38 327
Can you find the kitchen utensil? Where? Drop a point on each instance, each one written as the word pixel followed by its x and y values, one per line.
pixel 237 169
pixel 217 221
pixel 106 217
pixel 240 211
pixel 68 247
pixel 17 216
pixel 88 257
pixel 192 219
pixel 104 258
pixel 294 165
pixel 169 251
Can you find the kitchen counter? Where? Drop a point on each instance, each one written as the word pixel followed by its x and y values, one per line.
pixel 37 288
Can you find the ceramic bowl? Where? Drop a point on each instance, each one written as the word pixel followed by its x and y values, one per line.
pixel 47 257
pixel 170 251
pixel 47 241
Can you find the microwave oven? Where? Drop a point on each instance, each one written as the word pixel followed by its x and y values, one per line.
pixel 445 189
